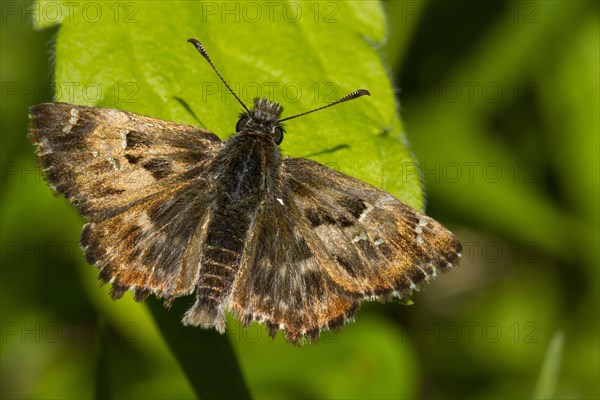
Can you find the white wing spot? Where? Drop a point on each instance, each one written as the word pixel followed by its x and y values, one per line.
pixel 113 162
pixel 144 220
pixel 368 209
pixel 124 139
pixel 280 201
pixel 420 225
pixel 360 237
pixel 72 121
pixel 420 240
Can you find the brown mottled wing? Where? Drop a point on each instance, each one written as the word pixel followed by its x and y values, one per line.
pixel 139 180
pixel 104 160
pixel 325 243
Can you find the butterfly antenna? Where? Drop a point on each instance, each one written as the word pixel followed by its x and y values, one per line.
pixel 351 96
pixel 202 51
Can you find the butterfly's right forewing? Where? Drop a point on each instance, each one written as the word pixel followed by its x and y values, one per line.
pixel 105 160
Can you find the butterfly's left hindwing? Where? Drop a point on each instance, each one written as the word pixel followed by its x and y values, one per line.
pixel 281 281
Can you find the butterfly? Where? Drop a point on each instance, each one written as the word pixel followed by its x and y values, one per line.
pixel 287 242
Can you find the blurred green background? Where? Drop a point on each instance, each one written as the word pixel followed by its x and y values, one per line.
pixel 500 104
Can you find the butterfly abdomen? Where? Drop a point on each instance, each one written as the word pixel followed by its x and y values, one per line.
pixel 244 177
pixel 225 239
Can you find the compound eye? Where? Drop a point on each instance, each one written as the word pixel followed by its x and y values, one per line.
pixel 278 135
pixel 241 124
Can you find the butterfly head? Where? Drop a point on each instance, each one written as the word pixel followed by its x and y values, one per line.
pixel 263 118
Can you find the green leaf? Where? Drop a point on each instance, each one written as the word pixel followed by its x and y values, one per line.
pixel 135 56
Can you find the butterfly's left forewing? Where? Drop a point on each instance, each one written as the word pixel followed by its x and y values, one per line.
pixel 377 245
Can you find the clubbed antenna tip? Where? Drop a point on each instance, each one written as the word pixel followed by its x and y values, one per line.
pixel 356 94
pixel 204 53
